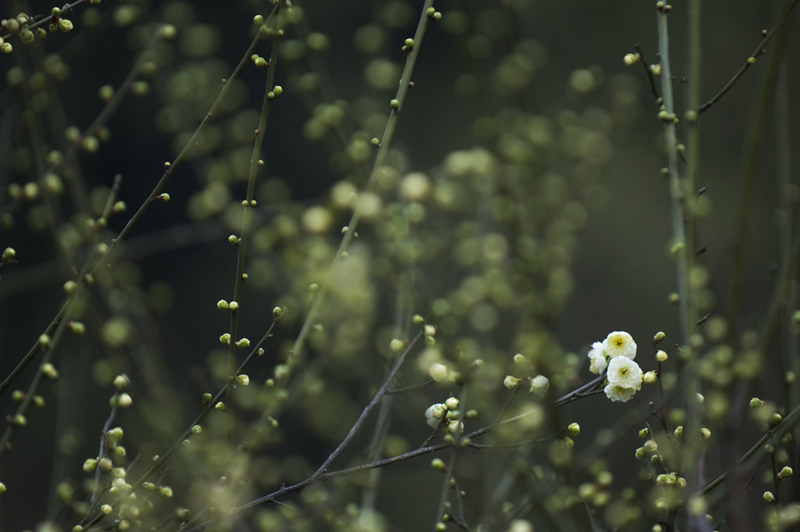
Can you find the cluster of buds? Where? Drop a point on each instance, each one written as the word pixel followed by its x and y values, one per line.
pixel 447 414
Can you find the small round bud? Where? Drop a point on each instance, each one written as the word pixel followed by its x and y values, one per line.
pixel 44 341
pixel 70 287
pixel 650 446
pixel 631 59
pixel 438 464
pixel 520 360
pixel 751 60
pixel 105 464
pixel 164 197
pixel 258 20
pixel 121 382
pixel 244 343
pixel 396 345
pixel 220 406
pixel 225 339
pixel 395 104
pixel 168 31
pixel 9 254
pixel 233 305
pixel 233 239
pixel 165 492
pixel 768 497
pixel 705 433
pixel 124 400
pixel 661 356
pixel 650 377
pixel 786 472
pixel 49 370
pixel 678 432
pixel 244 380
pixel 278 90
pixel 277 312
pixel 90 465
pixel 574 429
pixel 106 92
pixel 65 25
pixel 222 304
pixel 207 398
pixel 510 382
pixel 417 319
pixel 106 509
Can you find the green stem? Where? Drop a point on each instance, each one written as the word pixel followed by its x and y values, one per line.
pixel 248 204
pixel 383 150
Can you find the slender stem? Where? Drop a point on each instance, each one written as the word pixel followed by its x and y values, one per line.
pixel 162 183
pixel 675 185
pixel 777 433
pixel 46 20
pixel 160 460
pixel 383 150
pixel 755 143
pixel 255 162
pixel 367 409
pixel 749 61
pixel 689 450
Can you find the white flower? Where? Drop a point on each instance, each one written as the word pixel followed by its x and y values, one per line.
pixel 625 373
pixel 597 359
pixel 434 414
pixel 620 344
pixel 619 394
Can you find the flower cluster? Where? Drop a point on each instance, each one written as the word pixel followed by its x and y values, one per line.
pixel 615 355
pixel 436 412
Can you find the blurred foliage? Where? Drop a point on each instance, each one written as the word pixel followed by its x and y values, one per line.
pixel 521 210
